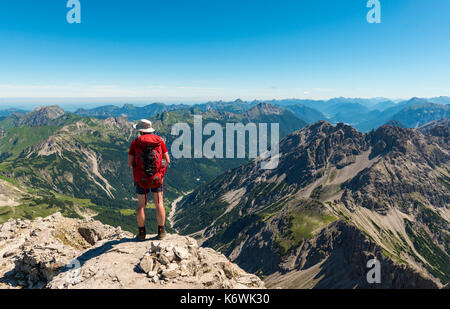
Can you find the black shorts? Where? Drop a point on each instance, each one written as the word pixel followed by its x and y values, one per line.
pixel 140 190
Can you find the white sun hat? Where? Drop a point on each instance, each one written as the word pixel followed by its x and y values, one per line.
pixel 144 126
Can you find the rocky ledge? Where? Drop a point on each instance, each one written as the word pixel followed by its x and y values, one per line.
pixel 58 253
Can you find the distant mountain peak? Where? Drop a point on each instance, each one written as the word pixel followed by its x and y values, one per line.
pixel 394 123
pixel 42 116
pixel 416 100
pixel 53 111
pixel 323 126
pixel 321 123
pixel 264 109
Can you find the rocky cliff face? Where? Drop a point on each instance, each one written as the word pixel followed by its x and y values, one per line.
pixel 336 258
pixel 57 252
pixel 439 127
pixel 407 167
pixel 421 113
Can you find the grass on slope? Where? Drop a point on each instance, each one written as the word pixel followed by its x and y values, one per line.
pixel 42 205
pixel 444 180
pixel 11 181
pixel 439 261
pixel 15 140
pixel 303 223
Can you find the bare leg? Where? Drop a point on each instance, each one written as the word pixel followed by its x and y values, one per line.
pixel 140 213
pixel 159 206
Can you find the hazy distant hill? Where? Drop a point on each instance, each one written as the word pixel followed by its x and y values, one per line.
pixel 394 123
pixel 268 113
pixel 381 106
pixel 7 112
pixel 138 112
pixel 363 114
pixel 409 113
pixel 440 100
pixel 310 115
pixel 324 105
pixel 418 114
pixel 237 106
pixel 128 110
pixel 42 116
pixel 368 114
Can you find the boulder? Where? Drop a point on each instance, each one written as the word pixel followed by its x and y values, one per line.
pixel 146 264
pixel 181 252
pixel 93 231
pixel 171 271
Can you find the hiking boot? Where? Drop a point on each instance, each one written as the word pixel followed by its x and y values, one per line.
pixel 161 232
pixel 141 234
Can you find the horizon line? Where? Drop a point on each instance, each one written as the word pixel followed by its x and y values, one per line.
pixel 71 104
pixel 176 100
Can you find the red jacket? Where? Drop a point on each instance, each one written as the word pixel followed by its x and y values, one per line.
pixel 132 152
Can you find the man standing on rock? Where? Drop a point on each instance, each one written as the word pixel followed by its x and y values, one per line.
pixel 148 157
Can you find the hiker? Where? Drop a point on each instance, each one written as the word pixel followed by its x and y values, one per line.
pixel 148 157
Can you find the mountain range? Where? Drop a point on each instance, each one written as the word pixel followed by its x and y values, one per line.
pixel 338 198
pixel 362 114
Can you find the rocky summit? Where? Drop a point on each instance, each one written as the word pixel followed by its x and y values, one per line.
pixel 63 253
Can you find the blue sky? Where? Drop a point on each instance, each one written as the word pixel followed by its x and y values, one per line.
pixel 197 50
